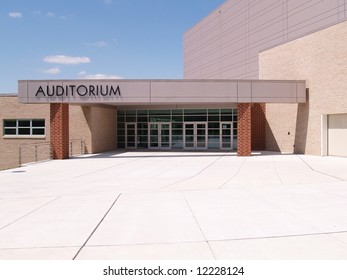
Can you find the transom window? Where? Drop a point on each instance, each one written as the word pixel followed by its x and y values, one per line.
pixel 24 127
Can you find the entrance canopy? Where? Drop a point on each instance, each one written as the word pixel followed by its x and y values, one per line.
pixel 161 92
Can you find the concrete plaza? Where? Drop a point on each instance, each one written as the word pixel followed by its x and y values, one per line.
pixel 175 205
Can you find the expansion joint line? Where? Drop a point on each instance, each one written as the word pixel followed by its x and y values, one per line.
pixel 233 176
pixel 97 226
pixel 278 175
pixel 196 220
pixel 196 174
pixel 27 214
pixel 309 166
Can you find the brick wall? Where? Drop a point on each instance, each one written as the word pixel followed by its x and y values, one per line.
pixel 244 129
pixel 59 118
pixel 9 146
pixel 83 122
pixel 258 127
pixel 320 59
pixel 97 126
pixel 80 118
pixel 104 137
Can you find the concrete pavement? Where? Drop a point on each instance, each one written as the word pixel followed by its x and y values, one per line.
pixel 176 205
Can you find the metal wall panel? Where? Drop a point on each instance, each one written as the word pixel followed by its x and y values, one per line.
pixel 244 28
pixel 153 92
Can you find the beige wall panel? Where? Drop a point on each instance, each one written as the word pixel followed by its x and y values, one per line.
pixel 194 89
pixel 244 92
pixel 168 91
pixel 274 90
pixel 23 87
pixel 320 59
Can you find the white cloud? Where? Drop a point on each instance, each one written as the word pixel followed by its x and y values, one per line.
pixel 63 59
pixel 98 44
pixel 15 15
pixel 50 14
pixel 84 75
pixel 107 2
pixel 52 71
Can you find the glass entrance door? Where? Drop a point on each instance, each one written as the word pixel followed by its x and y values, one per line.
pixel 195 135
pixel 160 135
pixel 226 135
pixel 131 137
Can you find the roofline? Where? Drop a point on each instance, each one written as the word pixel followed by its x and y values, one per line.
pixel 160 80
pixel 8 94
pixel 214 10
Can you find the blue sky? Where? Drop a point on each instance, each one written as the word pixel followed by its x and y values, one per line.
pixel 61 39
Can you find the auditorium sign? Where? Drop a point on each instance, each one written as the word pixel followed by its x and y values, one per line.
pixel 78 90
pixel 85 91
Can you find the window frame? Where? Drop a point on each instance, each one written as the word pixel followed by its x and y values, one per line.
pixel 17 128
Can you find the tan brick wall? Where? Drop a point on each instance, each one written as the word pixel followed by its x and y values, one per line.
pixel 321 60
pixel 9 154
pixel 104 129
pixel 97 126
pixel 80 128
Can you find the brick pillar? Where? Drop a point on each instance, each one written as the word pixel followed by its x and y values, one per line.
pixel 244 129
pixel 258 127
pixel 60 131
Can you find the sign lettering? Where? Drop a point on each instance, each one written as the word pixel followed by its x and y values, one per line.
pixel 81 90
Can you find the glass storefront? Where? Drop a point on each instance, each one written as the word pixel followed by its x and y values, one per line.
pixel 194 129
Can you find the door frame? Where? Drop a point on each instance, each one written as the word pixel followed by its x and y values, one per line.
pixel 195 136
pixel 126 135
pixel 159 135
pixel 231 136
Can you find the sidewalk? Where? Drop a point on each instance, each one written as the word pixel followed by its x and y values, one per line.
pixel 176 205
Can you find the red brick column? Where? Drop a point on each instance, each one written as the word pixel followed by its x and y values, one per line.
pixel 244 129
pixel 258 127
pixel 60 131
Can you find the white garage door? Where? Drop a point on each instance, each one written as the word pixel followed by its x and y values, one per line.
pixel 337 135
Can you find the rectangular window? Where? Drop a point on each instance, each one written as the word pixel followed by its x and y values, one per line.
pixel 24 127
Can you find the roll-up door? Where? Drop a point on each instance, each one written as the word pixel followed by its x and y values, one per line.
pixel 337 135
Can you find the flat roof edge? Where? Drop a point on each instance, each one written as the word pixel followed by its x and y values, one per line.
pixel 8 94
pixel 165 80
